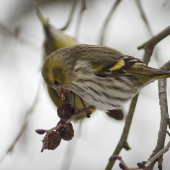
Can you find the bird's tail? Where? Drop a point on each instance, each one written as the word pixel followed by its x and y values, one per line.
pixel 160 74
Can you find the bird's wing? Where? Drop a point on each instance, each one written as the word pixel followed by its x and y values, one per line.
pixel 125 65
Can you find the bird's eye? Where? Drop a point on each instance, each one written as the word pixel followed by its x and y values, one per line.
pixel 56 83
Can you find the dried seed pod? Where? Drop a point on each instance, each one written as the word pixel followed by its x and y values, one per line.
pixel 66 132
pixel 121 166
pixel 141 165
pixel 65 111
pixel 54 140
pixel 41 131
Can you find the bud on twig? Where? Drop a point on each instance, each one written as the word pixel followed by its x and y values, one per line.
pixel 121 166
pixel 113 158
pixel 141 165
pixel 41 131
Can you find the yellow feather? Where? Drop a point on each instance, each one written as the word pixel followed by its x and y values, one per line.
pixel 118 65
pixel 98 68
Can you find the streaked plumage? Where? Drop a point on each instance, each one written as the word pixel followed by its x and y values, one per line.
pixel 100 75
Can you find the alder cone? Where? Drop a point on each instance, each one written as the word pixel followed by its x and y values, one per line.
pixel 66 132
pixel 54 140
pixel 65 111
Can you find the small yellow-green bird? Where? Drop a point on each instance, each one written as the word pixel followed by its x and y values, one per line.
pixel 54 40
pixel 102 76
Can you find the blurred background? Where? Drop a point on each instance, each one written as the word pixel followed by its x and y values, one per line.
pixel 24 101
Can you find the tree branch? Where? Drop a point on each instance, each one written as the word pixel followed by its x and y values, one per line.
pixel 70 16
pixel 143 15
pixel 161 152
pixel 141 165
pixel 107 21
pixel 164 118
pixel 154 40
pixel 145 19
pixel 25 123
pixel 123 140
pixel 149 45
pixel 83 8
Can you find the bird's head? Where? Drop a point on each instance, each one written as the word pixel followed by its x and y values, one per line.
pixel 55 73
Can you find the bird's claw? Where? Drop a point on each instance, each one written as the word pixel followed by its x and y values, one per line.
pixel 86 109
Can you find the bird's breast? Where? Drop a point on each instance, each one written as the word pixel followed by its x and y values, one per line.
pixel 104 93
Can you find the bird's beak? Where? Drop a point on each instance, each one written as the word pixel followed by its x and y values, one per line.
pixel 62 93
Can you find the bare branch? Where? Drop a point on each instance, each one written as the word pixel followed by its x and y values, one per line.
pixel 26 121
pixel 145 19
pixel 130 114
pixel 77 113
pixel 164 118
pixel 166 66
pixel 83 8
pixel 143 15
pixel 70 16
pixel 107 21
pixel 123 139
pixel 141 165
pixel 161 152
pixel 5 30
pixel 149 45
pixel 71 148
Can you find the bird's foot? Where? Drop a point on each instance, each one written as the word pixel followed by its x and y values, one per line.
pixel 85 109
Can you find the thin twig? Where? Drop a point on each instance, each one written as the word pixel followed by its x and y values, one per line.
pixel 5 30
pixel 123 140
pixel 161 152
pixel 77 113
pixel 116 3
pixel 149 45
pixel 143 15
pixel 142 165
pixel 164 118
pixel 145 19
pixel 83 8
pixel 15 141
pixel 26 121
pixel 70 16
pixel 166 66
pixel 71 148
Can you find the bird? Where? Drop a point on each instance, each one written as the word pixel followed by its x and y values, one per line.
pixel 100 75
pixel 54 40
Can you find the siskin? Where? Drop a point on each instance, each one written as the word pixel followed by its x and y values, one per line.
pixel 102 76
pixel 54 40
